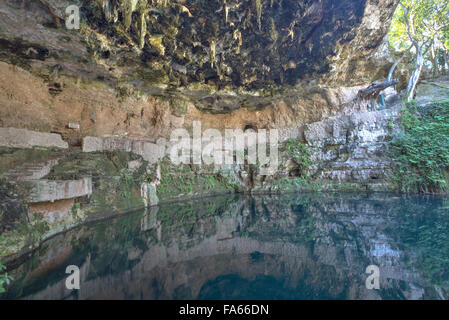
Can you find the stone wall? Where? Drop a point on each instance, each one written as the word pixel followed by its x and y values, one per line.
pixel 151 152
pixel 22 138
pixel 54 213
pixel 52 190
pixel 352 147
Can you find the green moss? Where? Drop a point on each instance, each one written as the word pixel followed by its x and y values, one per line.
pixel 13 157
pixel 156 43
pixel 291 184
pixel 124 92
pixel 156 73
pixel 300 154
pixel 116 187
pixel 212 54
pixel 179 106
pixel 237 36
pixel 259 13
pixel 274 35
pixel 75 208
pixel 24 236
pixel 4 277
pixel 142 29
pixel 170 32
pixel 183 182
pixel 129 6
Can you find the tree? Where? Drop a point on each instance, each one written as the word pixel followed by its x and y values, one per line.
pixel 420 25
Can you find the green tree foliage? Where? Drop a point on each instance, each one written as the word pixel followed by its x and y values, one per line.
pixel 424 229
pixel 427 18
pixel 421 154
pixel 299 153
pixel 420 28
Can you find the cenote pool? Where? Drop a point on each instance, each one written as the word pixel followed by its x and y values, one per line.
pixel 295 246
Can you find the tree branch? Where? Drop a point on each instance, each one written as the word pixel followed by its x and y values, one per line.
pixel 375 89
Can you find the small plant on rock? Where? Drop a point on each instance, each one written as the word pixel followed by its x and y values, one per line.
pixel 5 279
pixel 299 153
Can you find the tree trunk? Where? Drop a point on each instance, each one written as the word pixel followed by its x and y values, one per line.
pixel 412 83
pixel 446 61
pixel 410 26
pixel 397 62
pixel 433 56
pixel 374 89
pixel 393 67
pixel 444 54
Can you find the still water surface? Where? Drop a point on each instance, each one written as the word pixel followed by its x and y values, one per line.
pixel 295 246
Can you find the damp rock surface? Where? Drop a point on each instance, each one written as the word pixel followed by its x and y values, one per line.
pixel 196 44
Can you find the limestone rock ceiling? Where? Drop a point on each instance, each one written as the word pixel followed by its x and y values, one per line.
pixel 255 45
pixel 252 43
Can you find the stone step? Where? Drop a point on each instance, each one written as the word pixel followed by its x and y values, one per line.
pixel 53 190
pixel 31 171
pixel 22 138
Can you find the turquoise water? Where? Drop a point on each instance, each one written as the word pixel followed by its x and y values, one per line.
pixel 296 246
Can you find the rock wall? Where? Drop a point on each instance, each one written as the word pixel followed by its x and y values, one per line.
pixel 21 138
pixel 12 208
pixel 150 152
pixel 251 44
pixel 352 147
pixel 52 190
pixel 141 72
pixel 54 213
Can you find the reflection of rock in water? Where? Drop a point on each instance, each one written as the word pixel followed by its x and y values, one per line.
pixel 264 247
pixel 149 222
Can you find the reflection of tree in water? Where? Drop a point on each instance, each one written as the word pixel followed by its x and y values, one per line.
pixel 424 230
